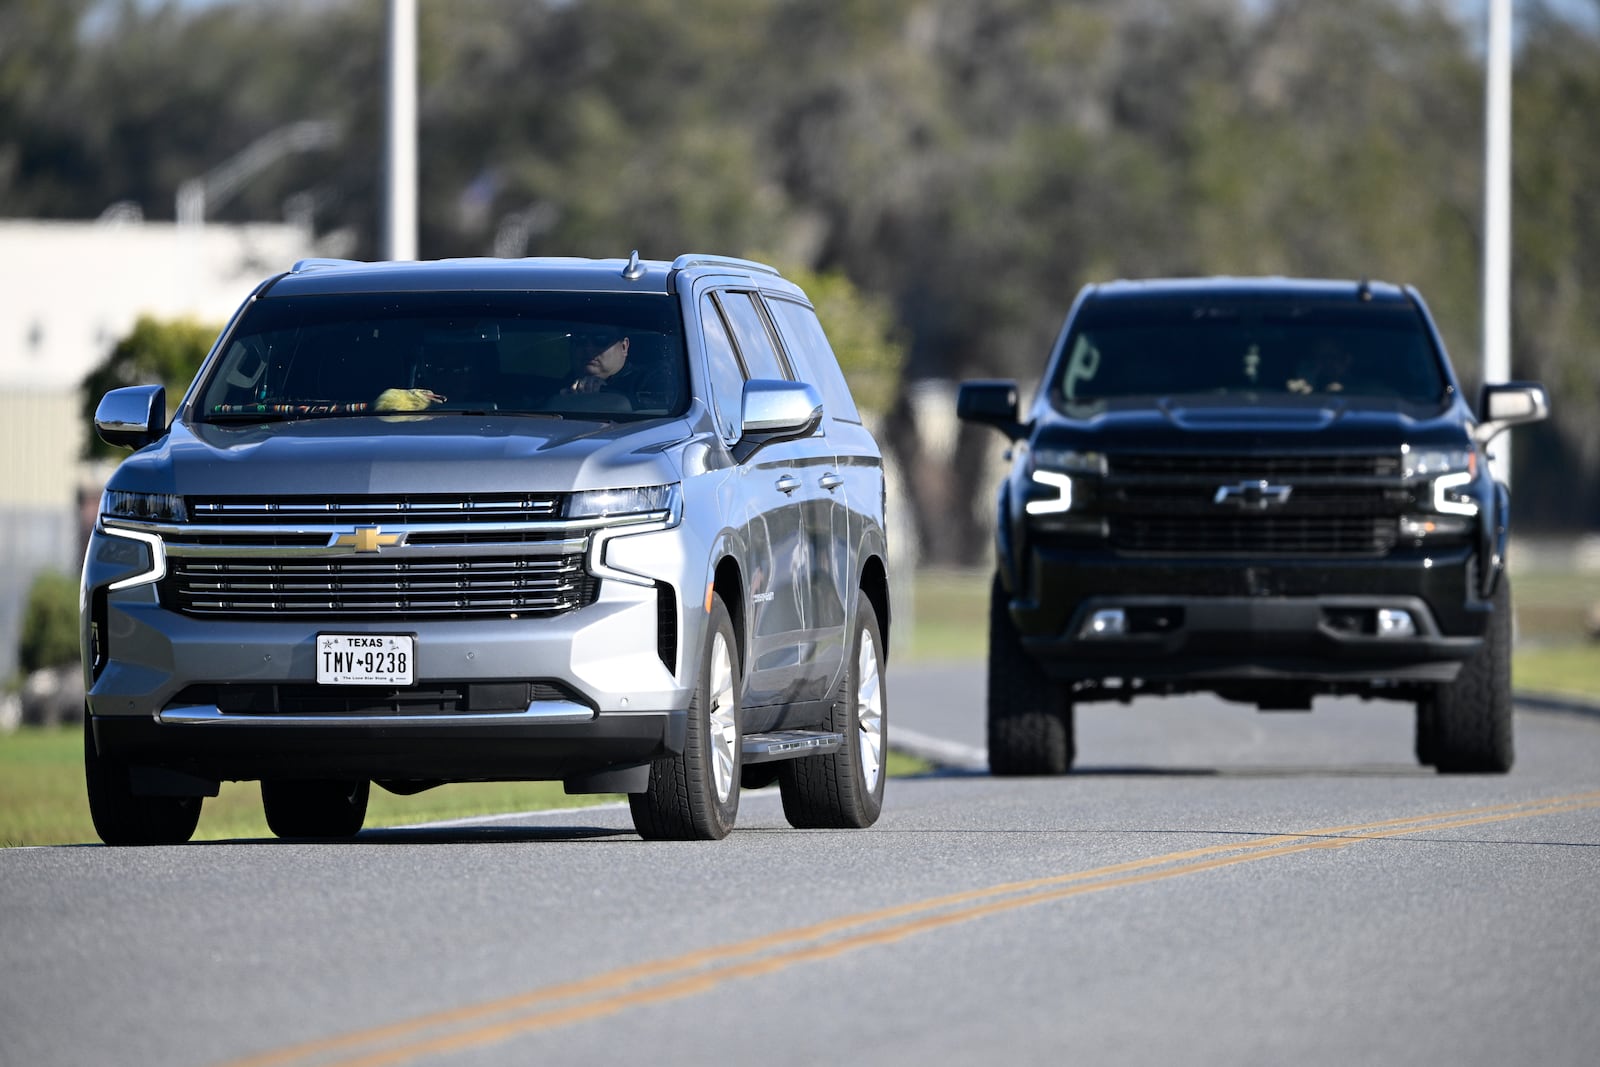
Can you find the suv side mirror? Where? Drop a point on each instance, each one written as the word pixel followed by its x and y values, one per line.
pixel 1503 406
pixel 132 417
pixel 778 411
pixel 991 403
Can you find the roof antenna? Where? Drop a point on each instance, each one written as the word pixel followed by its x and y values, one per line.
pixel 633 271
pixel 1364 290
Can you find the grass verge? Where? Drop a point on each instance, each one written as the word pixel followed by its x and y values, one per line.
pixel 42 799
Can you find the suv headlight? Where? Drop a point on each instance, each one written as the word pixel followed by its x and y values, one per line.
pixel 142 507
pixel 638 504
pixel 1451 471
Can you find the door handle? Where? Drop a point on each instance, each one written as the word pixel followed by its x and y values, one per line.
pixel 831 481
pixel 788 484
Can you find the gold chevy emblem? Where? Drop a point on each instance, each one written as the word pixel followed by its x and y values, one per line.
pixel 367 539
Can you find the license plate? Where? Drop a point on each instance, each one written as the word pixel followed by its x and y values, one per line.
pixel 365 659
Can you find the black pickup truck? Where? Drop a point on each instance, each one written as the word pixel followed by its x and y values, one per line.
pixel 1265 489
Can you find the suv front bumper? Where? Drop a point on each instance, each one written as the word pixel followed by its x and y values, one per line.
pixel 561 697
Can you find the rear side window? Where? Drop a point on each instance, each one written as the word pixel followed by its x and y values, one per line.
pixel 1248 348
pixel 813 357
pixel 761 359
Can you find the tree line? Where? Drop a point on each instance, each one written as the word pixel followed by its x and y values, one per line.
pixel 966 164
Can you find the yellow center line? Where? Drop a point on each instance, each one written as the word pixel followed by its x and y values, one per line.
pixel 676 977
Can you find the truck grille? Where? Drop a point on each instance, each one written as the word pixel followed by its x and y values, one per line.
pixel 1336 505
pixel 403 586
pixel 1384 465
pixel 1256 536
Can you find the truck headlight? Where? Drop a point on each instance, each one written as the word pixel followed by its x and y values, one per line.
pixel 1053 468
pixel 1070 460
pixel 1451 471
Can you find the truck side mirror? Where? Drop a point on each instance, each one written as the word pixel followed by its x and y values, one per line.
pixel 1502 406
pixel 991 403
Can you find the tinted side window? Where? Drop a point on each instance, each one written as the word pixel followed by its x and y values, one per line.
pixel 813 357
pixel 761 359
pixel 727 378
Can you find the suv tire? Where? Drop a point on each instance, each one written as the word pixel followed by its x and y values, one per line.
pixel 122 817
pixel 694 796
pixel 1030 716
pixel 301 808
pixel 1471 716
pixel 844 790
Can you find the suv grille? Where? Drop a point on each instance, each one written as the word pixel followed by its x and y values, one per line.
pixel 1336 505
pixel 427 556
pixel 412 587
pixel 365 511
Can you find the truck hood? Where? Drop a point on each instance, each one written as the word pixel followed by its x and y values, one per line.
pixel 1227 424
pixel 422 454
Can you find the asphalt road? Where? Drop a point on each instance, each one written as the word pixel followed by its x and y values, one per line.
pixel 1212 886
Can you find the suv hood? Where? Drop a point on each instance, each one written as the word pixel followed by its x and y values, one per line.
pixel 1224 424
pixel 427 454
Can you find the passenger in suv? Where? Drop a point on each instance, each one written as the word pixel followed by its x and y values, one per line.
pixel 1264 489
pixel 384 541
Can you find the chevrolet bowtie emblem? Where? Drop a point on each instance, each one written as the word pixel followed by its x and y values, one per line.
pixel 1255 496
pixel 366 539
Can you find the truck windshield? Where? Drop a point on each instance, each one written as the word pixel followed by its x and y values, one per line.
pixel 601 356
pixel 1248 349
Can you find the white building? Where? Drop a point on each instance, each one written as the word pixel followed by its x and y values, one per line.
pixel 69 291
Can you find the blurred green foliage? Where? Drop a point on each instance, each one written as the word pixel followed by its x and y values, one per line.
pixel 49 636
pixel 969 163
pixel 156 352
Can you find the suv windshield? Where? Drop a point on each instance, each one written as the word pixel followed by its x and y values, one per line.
pixel 602 356
pixel 1247 349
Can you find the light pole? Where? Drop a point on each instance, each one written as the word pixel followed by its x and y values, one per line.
pixel 1497 217
pixel 400 215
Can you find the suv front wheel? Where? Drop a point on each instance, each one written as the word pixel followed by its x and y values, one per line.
pixel 694 796
pixel 123 817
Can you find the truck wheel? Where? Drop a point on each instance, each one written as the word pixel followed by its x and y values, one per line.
pixel 844 790
pixel 301 808
pixel 1472 715
pixel 1427 732
pixel 120 816
pixel 1030 716
pixel 694 796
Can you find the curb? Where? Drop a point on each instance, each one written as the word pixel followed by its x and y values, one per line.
pixel 1557 704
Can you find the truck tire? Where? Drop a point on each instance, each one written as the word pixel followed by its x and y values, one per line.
pixel 305 808
pixel 1472 715
pixel 122 817
pixel 694 795
pixel 844 790
pixel 1030 715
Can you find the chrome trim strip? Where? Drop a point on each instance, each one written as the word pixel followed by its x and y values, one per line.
pixel 540 712
pixel 244 549
pixel 243 531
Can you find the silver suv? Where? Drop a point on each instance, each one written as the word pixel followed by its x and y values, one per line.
pixel 616 523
